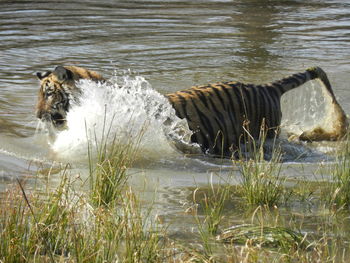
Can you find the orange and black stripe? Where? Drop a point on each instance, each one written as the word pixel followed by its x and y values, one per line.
pixel 216 113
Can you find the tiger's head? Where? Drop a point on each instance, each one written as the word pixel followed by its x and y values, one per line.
pixel 57 92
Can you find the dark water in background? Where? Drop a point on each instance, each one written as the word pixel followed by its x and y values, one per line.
pixel 173 44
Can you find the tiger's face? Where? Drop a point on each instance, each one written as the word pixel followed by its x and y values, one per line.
pixel 57 92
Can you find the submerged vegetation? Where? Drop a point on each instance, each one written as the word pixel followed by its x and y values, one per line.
pixel 252 221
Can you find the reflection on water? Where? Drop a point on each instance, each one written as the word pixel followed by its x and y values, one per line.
pixel 258 36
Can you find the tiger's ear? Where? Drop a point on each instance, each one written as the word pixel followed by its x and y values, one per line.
pixel 41 75
pixel 63 74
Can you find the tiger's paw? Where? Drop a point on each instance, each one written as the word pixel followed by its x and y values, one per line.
pixel 318 134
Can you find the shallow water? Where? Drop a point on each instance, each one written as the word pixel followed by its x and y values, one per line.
pixel 172 45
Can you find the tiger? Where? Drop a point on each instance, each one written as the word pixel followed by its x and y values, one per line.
pixel 220 116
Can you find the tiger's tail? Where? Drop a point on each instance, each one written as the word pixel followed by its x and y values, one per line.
pixel 318 73
pixel 298 79
pixel 335 114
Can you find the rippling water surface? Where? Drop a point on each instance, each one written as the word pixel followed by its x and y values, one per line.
pixel 172 45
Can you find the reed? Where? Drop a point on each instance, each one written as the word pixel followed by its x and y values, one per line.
pixel 209 204
pixel 261 185
pixel 39 223
pixel 15 222
pixel 109 159
pixel 144 240
pixel 338 193
pixel 204 230
pixel 63 227
pixel 261 181
pixel 212 204
pixel 107 224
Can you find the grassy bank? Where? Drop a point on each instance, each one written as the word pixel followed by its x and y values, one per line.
pixel 104 224
pixel 271 230
pixel 253 221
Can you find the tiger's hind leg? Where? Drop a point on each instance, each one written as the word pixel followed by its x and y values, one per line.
pixel 335 124
pixel 334 128
pixel 320 134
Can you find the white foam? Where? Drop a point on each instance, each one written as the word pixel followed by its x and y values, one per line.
pixel 125 106
pixel 303 108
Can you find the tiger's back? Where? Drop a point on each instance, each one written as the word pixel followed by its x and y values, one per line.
pixel 224 114
pixel 220 114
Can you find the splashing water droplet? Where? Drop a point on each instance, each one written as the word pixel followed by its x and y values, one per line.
pixel 125 105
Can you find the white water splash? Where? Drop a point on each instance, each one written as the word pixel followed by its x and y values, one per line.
pixel 303 108
pixel 125 106
pixel 319 116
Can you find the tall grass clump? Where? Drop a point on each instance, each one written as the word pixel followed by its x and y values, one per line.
pixel 211 203
pixel 261 183
pixel 137 236
pixel 36 227
pixel 119 234
pixel 15 222
pixel 144 239
pixel 60 225
pixel 109 159
pixel 340 176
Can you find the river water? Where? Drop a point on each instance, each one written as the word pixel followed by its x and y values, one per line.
pixel 155 47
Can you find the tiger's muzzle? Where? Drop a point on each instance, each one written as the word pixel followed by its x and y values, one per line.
pixel 57 119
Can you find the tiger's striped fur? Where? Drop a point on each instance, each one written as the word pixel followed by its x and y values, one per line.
pixel 219 115
pixel 57 90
